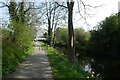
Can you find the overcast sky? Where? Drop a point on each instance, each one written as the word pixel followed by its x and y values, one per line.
pixel 108 7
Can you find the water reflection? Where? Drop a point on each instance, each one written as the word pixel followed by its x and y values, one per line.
pixel 101 69
pixel 87 68
pixel 89 65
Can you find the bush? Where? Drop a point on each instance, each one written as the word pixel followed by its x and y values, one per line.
pixel 12 56
pixel 105 40
pixel 14 52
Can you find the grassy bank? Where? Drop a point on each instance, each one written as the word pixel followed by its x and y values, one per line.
pixel 12 56
pixel 61 67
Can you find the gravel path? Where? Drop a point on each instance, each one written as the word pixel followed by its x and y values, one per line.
pixel 36 66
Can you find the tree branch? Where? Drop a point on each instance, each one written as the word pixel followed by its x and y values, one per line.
pixel 61 5
pixel 29 9
pixel 84 7
pixel 3 4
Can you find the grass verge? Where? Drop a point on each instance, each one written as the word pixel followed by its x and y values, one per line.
pixel 62 68
pixel 13 56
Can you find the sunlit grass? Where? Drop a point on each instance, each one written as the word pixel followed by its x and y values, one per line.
pixel 61 66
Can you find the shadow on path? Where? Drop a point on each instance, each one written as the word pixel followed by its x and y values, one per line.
pixel 35 66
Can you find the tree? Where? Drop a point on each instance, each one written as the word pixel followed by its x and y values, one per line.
pixel 54 14
pixel 81 40
pixel 62 35
pixel 106 38
pixel 71 44
pixel 17 37
pixel 81 7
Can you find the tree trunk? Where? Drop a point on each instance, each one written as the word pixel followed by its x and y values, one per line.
pixel 49 32
pixel 54 36
pixel 48 6
pixel 71 47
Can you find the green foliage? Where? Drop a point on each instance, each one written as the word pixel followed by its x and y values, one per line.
pixel 81 40
pixel 16 46
pixel 81 35
pixel 17 38
pixel 106 39
pixel 12 56
pixel 62 35
pixel 61 66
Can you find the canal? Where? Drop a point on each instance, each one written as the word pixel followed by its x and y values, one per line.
pixel 102 68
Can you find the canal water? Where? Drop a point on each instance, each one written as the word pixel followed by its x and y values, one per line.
pixel 101 69
pixel 104 68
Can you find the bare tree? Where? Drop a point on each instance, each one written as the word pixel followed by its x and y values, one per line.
pixel 54 15
pixel 81 7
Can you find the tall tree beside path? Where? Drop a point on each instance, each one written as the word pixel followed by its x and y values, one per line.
pixel 71 46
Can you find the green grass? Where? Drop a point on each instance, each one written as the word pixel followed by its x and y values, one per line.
pixel 13 56
pixel 62 68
